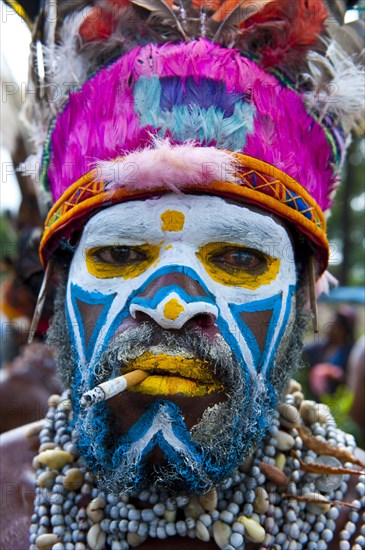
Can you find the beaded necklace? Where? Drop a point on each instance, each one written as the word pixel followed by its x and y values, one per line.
pixel 271 500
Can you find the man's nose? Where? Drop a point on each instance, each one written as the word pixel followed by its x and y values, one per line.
pixel 173 300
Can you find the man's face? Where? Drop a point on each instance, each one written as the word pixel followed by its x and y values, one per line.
pixel 198 292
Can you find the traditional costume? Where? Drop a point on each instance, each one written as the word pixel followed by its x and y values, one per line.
pixel 157 110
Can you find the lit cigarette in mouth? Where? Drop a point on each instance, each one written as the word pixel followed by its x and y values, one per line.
pixel 109 389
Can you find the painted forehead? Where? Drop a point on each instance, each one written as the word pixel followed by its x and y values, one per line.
pixel 188 218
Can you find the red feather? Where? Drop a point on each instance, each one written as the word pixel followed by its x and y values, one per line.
pixel 285 27
pixel 102 21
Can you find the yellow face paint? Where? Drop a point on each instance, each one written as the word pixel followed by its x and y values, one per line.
pixel 174 374
pixel 172 309
pixel 120 261
pixel 172 220
pixel 236 265
pixel 172 385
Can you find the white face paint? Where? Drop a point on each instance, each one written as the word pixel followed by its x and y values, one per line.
pixel 240 262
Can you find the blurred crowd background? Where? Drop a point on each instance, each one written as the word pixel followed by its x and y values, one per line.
pixel 334 359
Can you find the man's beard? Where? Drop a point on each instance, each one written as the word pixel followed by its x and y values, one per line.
pixel 195 459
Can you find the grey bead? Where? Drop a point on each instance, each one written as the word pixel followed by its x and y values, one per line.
pixel 294 531
pixel 113 527
pixel 171 529
pixel 345 535
pixel 226 516
pixel 319 526
pixel 161 533
pixel 238 497
pixel 291 515
pixel 233 508
pixel 57 520
pixel 360 540
pixel 133 526
pixel 350 527
pixel 142 529
pixel 123 525
pixel 153 498
pixel 249 497
pixel 56 509
pixel 251 483
pixel 190 523
pixel 114 512
pixel 112 499
pixel 170 504
pixel 247 510
pixel 214 514
pixel 182 501
pixel 354 516
pixel 57 498
pixel 134 514
pixel 59 530
pixel 159 509
pixel 44 521
pixel 281 538
pixel 41 510
pixel 236 540
pixel 181 528
pixel 148 514
pixel 313 536
pixel 237 527
pixel 123 512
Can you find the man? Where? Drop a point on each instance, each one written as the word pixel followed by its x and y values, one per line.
pixel 186 233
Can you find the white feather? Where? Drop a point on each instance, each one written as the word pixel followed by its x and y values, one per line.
pixel 344 94
pixel 70 69
pixel 172 165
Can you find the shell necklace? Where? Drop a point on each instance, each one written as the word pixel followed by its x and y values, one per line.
pixel 287 495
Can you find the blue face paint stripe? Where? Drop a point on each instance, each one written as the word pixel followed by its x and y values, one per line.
pixel 161 294
pixel 250 339
pixel 91 298
pixel 269 362
pixel 233 344
pixel 177 426
pixel 173 268
pixel 274 304
pixel 117 321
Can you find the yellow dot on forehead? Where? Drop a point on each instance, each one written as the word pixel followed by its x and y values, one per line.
pixel 172 220
pixel 172 309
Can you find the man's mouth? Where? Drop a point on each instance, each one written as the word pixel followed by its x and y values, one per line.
pixel 174 374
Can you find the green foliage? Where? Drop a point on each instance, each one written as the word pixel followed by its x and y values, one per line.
pixel 346 224
pixel 8 238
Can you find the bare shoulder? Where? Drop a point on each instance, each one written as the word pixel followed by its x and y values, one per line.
pixel 17 448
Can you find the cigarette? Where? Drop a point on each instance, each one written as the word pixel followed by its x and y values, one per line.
pixel 109 389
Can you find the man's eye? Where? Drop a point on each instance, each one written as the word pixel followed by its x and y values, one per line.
pixel 237 265
pixel 119 255
pixel 235 259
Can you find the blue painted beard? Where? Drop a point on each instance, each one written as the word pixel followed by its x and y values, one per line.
pixel 193 460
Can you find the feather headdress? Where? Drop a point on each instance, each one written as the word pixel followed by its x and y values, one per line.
pixel 263 89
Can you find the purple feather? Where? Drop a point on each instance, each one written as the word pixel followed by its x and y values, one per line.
pixel 99 121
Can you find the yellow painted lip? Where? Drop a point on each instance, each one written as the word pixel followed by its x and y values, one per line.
pixel 174 374
pixel 166 364
pixel 173 385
